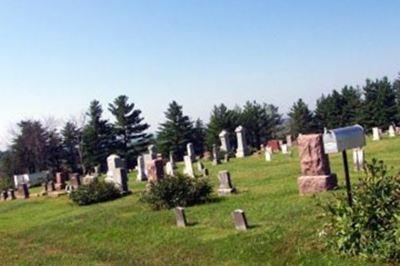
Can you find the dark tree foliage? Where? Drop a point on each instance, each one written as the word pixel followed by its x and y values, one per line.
pixel 175 132
pixel 97 138
pixel 380 107
pixel 71 140
pixel 261 122
pixel 129 129
pixel 301 119
pixel 222 118
pixel 396 88
pixel 199 136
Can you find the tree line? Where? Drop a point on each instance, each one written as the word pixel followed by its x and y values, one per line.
pixel 79 147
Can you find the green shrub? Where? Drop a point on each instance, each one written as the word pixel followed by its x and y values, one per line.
pixel 371 228
pixel 177 191
pixel 97 191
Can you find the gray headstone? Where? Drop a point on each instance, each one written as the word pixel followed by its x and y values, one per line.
pixel 225 145
pixel 215 153
pixel 240 220
pixel 225 183
pixel 188 166
pixel 180 217
pixel 190 151
pixel 141 168
pixel 242 149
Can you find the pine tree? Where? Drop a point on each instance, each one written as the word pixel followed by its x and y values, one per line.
pixel 301 119
pixel 129 128
pixel 97 138
pixel 71 140
pixel 380 104
pixel 199 135
pixel 174 134
pixel 396 88
pixel 352 106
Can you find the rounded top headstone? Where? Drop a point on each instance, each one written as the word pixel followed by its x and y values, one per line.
pixel 223 133
pixel 239 129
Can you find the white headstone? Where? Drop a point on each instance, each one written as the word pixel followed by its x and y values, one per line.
pixel 225 145
pixel 289 141
pixel 141 167
pixel 242 149
pixel 190 151
pixel 116 173
pixel 169 169
pixel 358 159
pixel 188 170
pixel 284 149
pixel 392 132
pixel 268 156
pixel 376 134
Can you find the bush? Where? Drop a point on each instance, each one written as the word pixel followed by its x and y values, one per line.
pixel 97 191
pixel 371 228
pixel 177 191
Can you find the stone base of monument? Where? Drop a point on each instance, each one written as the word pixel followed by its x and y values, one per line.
pixel 316 184
pixel 226 191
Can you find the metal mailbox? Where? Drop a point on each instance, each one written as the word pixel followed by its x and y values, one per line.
pixel 341 139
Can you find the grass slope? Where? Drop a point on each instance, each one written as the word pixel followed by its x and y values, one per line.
pixel 284 225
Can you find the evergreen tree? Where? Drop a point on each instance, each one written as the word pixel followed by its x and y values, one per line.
pixel 97 138
pixel 130 130
pixel 352 106
pixel 54 150
pixel 222 118
pixel 174 134
pixel 301 119
pixel 199 136
pixel 71 141
pixel 396 88
pixel 380 104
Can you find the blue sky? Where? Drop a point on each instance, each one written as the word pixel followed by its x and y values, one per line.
pixel 56 56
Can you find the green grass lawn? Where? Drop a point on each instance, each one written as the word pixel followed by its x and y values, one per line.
pixel 284 229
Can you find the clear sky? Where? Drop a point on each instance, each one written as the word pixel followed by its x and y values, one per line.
pixel 56 56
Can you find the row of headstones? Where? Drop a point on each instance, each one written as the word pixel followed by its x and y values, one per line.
pixel 239 219
pixel 377 132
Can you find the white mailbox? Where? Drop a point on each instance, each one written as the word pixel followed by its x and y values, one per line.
pixel 345 138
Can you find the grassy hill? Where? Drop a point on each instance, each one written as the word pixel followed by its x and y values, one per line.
pixel 284 225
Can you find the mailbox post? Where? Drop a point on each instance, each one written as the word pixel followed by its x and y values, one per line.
pixel 340 140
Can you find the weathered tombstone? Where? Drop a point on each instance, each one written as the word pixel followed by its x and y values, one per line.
pixel 284 149
pixel 96 171
pixel 242 149
pixel 180 217
pixel 268 155
pixel 316 173
pixel 225 144
pixel 155 171
pixel 169 169
pixel 289 141
pixel 141 176
pixel 152 152
pixel 188 170
pixel 89 179
pixel 376 134
pixel 75 180
pixel 392 132
pixel 225 183
pixel 190 151
pixel 11 194
pixel 240 220
pixel 358 159
pixel 114 162
pixel 215 153
pixel 60 180
pixel 25 190
pixel 116 173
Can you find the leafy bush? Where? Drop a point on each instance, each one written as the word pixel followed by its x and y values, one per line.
pixel 177 191
pixel 97 191
pixel 371 228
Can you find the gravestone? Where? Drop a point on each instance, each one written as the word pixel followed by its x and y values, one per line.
pixel 315 168
pixel 188 170
pixel 152 152
pixel 392 131
pixel 169 169
pixel 215 156
pixel 11 194
pixel 4 194
pixel 224 138
pixel 180 217
pixel 116 173
pixel 268 155
pixel 200 167
pixel 358 159
pixel 155 171
pixel 376 134
pixel 96 171
pixel 289 142
pixel 61 177
pixel 45 188
pixel 75 180
pixel 242 149
pixel 240 220
pixel 225 183
pixel 141 168
pixel 25 190
pixel 274 145
pixel 284 149
pixel 51 185
pixel 190 151
pixel 87 179
pixel 280 143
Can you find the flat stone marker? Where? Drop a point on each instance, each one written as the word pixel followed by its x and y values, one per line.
pixel 180 217
pixel 240 220
pixel 225 183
